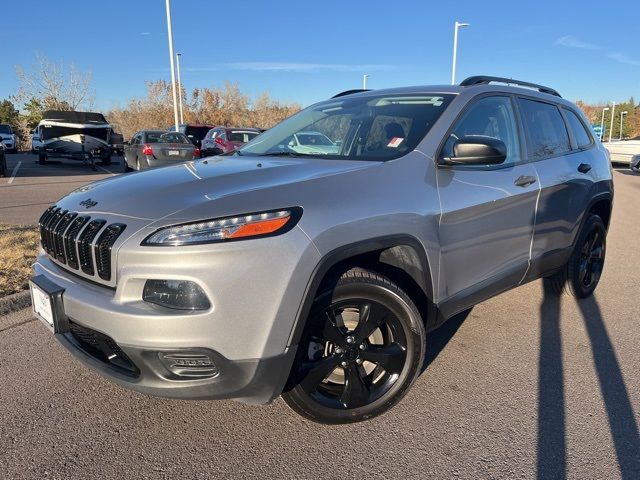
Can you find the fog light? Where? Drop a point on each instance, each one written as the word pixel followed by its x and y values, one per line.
pixel 177 294
pixel 186 364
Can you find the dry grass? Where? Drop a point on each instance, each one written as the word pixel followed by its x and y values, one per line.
pixel 18 249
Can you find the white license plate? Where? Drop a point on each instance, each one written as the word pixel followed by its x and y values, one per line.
pixel 173 152
pixel 42 305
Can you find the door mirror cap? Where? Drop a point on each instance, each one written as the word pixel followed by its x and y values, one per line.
pixel 477 150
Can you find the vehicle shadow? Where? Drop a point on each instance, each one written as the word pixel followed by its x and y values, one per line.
pixel 551 449
pixel 440 337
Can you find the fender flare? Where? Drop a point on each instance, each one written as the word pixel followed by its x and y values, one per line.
pixel 345 252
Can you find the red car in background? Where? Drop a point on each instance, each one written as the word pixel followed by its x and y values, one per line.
pixel 225 140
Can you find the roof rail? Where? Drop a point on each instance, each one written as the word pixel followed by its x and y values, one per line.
pixel 484 80
pixel 349 92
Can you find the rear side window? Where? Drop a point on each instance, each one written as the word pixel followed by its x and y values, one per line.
pixel 583 139
pixel 546 129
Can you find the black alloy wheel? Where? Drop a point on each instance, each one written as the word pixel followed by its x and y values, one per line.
pixel 581 274
pixel 591 258
pixel 361 351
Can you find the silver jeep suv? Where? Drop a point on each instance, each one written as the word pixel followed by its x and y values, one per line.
pixel 315 274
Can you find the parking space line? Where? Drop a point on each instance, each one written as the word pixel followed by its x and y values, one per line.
pixel 102 168
pixel 13 173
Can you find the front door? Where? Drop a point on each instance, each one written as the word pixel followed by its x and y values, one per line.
pixel 487 212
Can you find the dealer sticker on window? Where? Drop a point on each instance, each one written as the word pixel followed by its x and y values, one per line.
pixel 395 142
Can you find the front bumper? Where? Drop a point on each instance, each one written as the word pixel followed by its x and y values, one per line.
pixel 256 381
pixel 245 332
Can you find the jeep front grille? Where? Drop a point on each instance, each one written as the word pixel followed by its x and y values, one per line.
pixel 69 239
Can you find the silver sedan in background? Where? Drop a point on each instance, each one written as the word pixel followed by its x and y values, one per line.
pixel 157 148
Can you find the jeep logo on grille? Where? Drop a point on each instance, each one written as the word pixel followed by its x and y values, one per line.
pixel 88 203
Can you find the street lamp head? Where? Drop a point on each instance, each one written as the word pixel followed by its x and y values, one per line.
pixel 624 113
pixel 459 24
pixel 605 109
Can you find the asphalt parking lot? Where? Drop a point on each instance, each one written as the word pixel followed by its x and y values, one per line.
pixel 526 386
pixel 31 187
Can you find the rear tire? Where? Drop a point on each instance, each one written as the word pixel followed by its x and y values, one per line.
pixel 361 351
pixel 581 274
pixel 42 158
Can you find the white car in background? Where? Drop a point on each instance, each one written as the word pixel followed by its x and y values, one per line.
pixel 313 143
pixel 36 141
pixel 9 138
pixel 625 152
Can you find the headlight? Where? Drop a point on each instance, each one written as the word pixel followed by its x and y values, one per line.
pixel 263 224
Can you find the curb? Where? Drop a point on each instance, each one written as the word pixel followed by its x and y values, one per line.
pixel 14 302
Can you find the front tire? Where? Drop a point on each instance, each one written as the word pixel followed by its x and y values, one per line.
pixel 361 351
pixel 581 274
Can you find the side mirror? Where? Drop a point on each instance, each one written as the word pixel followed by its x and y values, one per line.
pixel 477 150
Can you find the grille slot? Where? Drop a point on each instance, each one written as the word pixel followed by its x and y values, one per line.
pixel 84 245
pixel 46 216
pixel 47 242
pixel 103 249
pixel 58 239
pixel 70 249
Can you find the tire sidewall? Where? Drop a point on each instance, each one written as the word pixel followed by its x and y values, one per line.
pixel 411 322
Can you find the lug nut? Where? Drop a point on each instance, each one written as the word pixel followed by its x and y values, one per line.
pixel 344 364
pixel 350 339
pixel 362 346
pixel 338 350
pixel 359 361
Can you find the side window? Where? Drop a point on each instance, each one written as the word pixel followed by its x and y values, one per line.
pixel 489 117
pixel 222 135
pixel 546 129
pixel 580 133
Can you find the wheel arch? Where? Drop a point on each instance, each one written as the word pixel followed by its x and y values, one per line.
pixel 602 205
pixel 401 257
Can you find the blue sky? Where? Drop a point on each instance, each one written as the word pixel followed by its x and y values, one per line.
pixel 306 51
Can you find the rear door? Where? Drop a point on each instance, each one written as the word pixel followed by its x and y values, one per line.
pixel 487 218
pixel 563 152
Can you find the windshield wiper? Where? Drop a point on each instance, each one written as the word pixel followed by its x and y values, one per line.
pixel 285 154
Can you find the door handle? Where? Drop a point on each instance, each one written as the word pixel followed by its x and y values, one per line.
pixel 524 181
pixel 584 167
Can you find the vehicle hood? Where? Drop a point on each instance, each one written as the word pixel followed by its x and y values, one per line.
pixel 157 193
pixel 6 136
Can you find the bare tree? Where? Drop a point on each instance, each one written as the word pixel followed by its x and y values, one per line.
pixel 55 86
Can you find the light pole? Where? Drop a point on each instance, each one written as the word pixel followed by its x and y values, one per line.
pixel 457 25
pixel 613 111
pixel 178 55
pixel 602 124
pixel 622 114
pixel 173 71
pixel 364 81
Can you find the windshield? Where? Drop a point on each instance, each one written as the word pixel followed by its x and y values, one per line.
pixel 5 129
pixel 361 127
